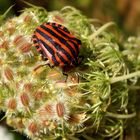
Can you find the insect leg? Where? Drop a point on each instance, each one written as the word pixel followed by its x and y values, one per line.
pixel 80 59
pixel 65 74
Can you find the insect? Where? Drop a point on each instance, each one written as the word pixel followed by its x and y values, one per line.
pixel 57 45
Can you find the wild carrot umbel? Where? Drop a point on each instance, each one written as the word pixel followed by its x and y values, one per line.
pixel 98 96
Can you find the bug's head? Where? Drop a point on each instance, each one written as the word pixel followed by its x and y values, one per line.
pixel 67 68
pixel 74 64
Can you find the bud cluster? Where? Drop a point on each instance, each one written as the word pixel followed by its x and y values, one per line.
pixel 37 100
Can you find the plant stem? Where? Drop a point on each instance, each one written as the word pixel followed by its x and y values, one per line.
pixel 120 116
pixel 6 12
pixel 124 77
pixel 62 124
pixel 87 137
pixel 101 29
pixel 131 87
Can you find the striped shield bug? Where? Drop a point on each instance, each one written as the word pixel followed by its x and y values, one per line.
pixel 57 45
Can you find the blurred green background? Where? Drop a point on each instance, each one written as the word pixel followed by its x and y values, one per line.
pixel 126 13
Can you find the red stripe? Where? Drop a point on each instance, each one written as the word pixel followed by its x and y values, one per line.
pixel 72 45
pixel 46 41
pixel 71 36
pixel 45 51
pixel 50 45
pixel 59 60
pixel 39 49
pixel 57 41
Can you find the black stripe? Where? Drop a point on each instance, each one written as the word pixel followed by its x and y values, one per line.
pixel 45 45
pixel 44 57
pixel 37 46
pixel 61 27
pixel 78 40
pixel 56 63
pixel 62 59
pixel 34 36
pixel 40 51
pixel 56 45
pixel 75 45
pixel 63 41
pixel 69 38
pixel 34 39
pixel 35 42
pixel 66 30
pixel 50 51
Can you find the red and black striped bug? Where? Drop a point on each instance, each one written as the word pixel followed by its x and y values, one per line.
pixel 57 45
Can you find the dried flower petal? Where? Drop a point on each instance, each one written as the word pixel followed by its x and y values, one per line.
pixel 76 118
pixel 28 86
pixel 9 73
pixel 54 74
pixel 61 84
pixel 60 109
pixel 18 39
pixel 47 110
pixel 21 42
pixel 24 99
pixel 58 18
pixel 27 18
pixel 38 95
pixel 25 47
pixel 72 91
pixel 4 45
pixel 32 127
pixel 12 103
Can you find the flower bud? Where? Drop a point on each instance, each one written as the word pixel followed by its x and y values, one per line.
pixel 54 75
pixel 60 109
pixel 76 118
pixel 4 45
pixel 28 86
pixel 58 19
pixel 46 110
pixel 11 30
pixel 38 95
pixel 25 47
pixel 71 91
pixel 27 19
pixel 61 84
pixel 18 39
pixel 24 99
pixel 12 103
pixel 32 127
pixel 8 73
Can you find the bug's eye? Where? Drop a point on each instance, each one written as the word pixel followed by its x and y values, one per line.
pixel 74 62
